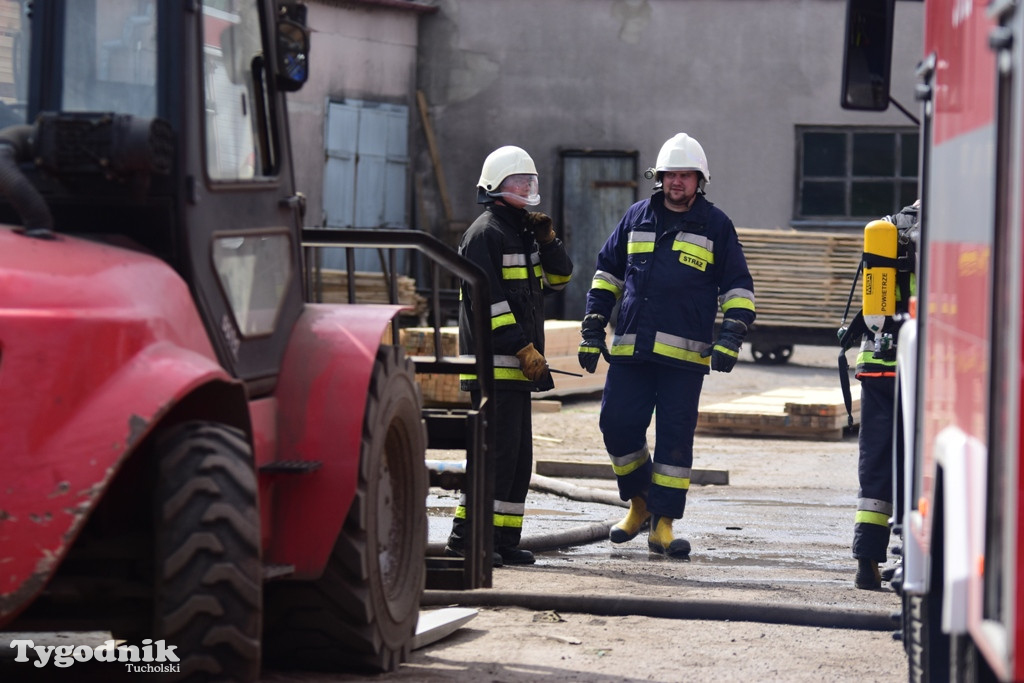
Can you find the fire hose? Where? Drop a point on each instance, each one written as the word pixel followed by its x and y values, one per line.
pixel 663 608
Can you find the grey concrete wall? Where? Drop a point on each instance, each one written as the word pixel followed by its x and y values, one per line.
pixel 628 74
pixel 356 52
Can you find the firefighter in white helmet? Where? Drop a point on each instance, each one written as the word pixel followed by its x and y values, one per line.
pixel 673 260
pixel 524 261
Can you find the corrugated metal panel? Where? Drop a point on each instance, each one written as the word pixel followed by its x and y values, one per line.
pixel 342 126
pixel 367 161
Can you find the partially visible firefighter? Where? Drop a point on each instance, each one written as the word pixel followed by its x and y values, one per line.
pixel 524 260
pixel 889 265
pixel 671 263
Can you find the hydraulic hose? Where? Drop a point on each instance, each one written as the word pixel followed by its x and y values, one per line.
pixel 666 608
pixel 15 146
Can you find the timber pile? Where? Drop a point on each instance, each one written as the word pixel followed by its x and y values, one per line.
pixel 371 288
pixel 561 344
pixel 802 279
pixel 437 389
pixel 791 412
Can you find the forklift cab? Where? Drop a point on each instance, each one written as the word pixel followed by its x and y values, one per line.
pixel 161 126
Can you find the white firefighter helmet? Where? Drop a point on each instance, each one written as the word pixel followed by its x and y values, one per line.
pixel 683 153
pixel 499 165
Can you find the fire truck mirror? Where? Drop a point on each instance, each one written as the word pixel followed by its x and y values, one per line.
pixel 867 54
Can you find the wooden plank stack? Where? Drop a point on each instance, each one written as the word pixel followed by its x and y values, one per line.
pixel 372 288
pixel 438 389
pixel 802 279
pixel 791 412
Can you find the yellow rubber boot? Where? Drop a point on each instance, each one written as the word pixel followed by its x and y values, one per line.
pixel 660 539
pixel 632 523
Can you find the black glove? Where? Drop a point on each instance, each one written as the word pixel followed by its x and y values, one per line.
pixel 540 224
pixel 726 350
pixel 593 344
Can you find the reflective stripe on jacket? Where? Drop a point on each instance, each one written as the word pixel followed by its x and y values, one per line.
pixel 671 284
pixel 519 274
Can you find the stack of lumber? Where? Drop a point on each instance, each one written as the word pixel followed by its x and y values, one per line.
pixel 437 389
pixel 371 288
pixel 802 279
pixel 561 345
pixel 791 412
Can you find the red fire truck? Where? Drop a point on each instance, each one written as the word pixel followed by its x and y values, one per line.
pixel 960 364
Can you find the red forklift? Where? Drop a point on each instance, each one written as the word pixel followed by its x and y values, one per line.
pixel 193 453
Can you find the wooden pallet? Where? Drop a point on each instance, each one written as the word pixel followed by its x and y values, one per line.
pixel 792 412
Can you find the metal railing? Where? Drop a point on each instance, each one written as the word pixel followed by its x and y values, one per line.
pixel 473 428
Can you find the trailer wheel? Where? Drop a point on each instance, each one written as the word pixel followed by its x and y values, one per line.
pixel 771 355
pixel 208 592
pixel 362 613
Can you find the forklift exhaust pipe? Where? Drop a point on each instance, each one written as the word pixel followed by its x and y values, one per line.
pixel 16 146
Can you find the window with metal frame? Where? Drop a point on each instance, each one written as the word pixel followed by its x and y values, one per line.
pixel 847 175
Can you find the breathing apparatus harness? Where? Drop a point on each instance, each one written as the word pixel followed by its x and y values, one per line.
pixel 888 251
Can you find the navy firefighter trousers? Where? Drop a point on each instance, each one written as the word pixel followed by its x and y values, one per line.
pixel 634 392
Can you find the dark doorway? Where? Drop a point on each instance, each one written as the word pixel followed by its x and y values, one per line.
pixel 597 188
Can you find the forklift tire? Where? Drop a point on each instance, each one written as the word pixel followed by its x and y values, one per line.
pixel 771 355
pixel 208 573
pixel 362 613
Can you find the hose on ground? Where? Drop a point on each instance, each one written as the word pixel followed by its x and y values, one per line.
pixel 580 535
pixel 666 608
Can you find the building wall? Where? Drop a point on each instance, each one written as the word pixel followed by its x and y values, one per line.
pixel 738 75
pixel 357 51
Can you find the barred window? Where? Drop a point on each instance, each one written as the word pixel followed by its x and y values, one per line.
pixel 851 175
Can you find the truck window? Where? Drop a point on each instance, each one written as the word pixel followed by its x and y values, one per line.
pixel 110 56
pixel 238 140
pixel 14 52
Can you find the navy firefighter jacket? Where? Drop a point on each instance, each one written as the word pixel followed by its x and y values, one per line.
pixel 671 271
pixel 520 272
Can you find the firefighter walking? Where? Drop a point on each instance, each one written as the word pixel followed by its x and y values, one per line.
pixel 880 440
pixel 673 260
pixel 523 260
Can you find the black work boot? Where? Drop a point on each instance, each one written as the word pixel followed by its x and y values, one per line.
pixel 868 577
pixel 516 555
pixel 454 551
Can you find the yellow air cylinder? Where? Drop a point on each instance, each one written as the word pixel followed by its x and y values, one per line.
pixel 879 293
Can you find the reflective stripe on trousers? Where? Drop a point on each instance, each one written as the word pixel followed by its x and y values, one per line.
pixel 633 393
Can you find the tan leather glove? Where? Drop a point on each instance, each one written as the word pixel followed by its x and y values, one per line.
pixel 532 363
pixel 542 227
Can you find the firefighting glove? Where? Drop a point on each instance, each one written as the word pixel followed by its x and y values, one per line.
pixel 593 344
pixel 540 224
pixel 533 364
pixel 726 349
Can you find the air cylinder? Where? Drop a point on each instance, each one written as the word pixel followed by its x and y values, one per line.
pixel 879 293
